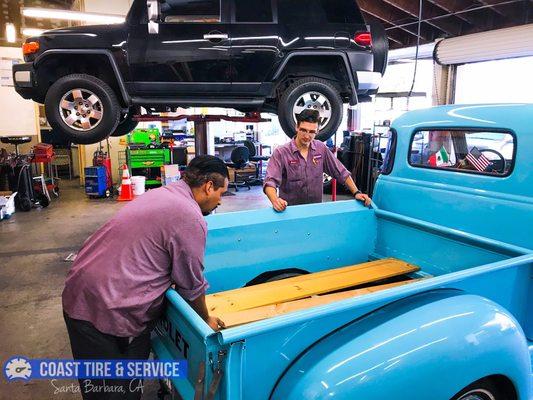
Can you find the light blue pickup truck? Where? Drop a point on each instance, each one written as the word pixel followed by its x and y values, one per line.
pixel 455 199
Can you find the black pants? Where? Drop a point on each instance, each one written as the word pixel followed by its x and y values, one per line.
pixel 88 343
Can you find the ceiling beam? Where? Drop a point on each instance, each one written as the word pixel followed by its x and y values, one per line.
pixel 388 14
pixel 468 11
pixel 451 6
pixel 394 37
pixel 492 4
pixel 428 11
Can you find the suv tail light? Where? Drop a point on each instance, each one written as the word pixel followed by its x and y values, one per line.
pixel 363 39
pixel 30 48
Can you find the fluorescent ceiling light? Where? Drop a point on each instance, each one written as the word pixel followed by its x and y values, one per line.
pixel 11 33
pixel 72 15
pixel 32 32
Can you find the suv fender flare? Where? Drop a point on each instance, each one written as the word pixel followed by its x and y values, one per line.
pixel 107 53
pixel 416 339
pixel 341 54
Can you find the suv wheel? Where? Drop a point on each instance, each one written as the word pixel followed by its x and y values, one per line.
pixel 127 124
pixel 83 107
pixel 314 94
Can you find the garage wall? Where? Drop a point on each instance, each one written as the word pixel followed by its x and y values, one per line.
pixel 17 116
pixel 118 7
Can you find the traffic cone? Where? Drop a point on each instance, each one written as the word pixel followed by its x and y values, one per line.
pixel 126 190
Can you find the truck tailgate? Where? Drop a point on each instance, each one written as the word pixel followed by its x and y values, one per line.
pixel 182 335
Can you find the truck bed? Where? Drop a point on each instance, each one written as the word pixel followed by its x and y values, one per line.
pixel 270 299
pixel 329 241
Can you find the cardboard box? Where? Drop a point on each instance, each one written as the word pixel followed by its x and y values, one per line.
pixel 246 172
pixel 170 174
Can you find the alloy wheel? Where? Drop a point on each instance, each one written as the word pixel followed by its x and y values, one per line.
pixel 313 101
pixel 81 109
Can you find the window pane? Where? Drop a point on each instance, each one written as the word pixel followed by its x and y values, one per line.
pixel 463 151
pixel 203 11
pixel 390 151
pixel 253 11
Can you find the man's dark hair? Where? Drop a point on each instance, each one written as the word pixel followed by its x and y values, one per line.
pixel 312 116
pixel 203 169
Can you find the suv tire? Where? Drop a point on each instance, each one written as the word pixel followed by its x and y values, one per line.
pixel 83 107
pixel 127 124
pixel 311 93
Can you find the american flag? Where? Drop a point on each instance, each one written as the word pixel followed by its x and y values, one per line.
pixel 477 159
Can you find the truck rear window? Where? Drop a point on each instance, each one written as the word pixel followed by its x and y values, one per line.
pixel 305 12
pixel 480 152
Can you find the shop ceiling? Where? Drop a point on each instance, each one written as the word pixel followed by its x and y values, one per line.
pixel 443 18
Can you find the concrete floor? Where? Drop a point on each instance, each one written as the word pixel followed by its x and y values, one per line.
pixel 33 246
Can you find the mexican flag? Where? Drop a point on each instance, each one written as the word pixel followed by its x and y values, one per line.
pixel 440 158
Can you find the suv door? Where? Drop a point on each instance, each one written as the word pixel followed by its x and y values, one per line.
pixel 254 45
pixel 190 54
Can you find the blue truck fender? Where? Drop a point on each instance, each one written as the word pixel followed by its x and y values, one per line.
pixel 428 346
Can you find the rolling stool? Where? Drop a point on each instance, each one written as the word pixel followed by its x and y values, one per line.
pixel 239 159
pixel 256 159
pixel 16 140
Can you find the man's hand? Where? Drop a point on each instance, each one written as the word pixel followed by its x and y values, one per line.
pixel 215 323
pixel 279 204
pixel 363 198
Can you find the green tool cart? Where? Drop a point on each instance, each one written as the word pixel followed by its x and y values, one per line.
pixel 145 155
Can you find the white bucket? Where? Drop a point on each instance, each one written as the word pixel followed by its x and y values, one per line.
pixel 138 184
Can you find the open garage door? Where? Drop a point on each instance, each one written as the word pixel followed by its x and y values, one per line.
pixel 486 46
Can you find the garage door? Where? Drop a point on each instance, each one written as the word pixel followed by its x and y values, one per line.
pixel 485 46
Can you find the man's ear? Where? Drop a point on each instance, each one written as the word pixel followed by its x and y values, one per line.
pixel 209 187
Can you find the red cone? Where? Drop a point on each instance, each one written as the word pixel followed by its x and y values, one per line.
pixel 126 190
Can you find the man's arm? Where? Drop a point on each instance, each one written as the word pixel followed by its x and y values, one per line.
pixel 187 250
pixel 277 202
pixel 349 182
pixel 273 178
pixel 199 305
pixel 334 168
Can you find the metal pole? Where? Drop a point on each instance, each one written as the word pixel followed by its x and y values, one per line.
pixel 354 118
pixel 200 138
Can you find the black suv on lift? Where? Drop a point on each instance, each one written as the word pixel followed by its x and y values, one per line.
pixel 278 56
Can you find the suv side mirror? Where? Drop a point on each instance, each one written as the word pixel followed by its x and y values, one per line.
pixel 154 14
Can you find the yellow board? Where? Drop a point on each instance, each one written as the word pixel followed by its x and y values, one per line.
pixel 273 310
pixel 305 285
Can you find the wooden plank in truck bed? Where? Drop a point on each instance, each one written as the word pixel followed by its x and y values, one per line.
pixel 307 285
pixel 273 310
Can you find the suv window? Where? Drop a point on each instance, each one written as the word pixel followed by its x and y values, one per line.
pixel 488 153
pixel 319 12
pixel 253 11
pixel 198 11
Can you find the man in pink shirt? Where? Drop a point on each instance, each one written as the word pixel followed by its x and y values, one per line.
pixel 297 168
pixel 114 291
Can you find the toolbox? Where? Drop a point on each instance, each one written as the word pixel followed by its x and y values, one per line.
pixel 95 181
pixel 145 155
